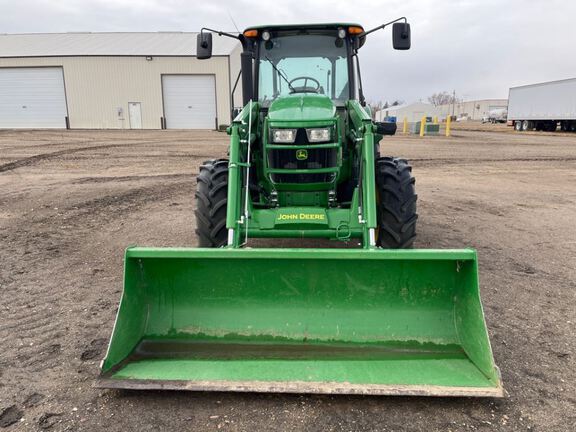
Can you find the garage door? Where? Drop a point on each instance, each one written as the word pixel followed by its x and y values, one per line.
pixel 189 101
pixel 32 98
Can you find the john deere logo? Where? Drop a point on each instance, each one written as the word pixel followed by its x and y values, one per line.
pixel 301 154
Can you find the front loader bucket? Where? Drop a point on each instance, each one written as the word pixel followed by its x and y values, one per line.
pixel 302 321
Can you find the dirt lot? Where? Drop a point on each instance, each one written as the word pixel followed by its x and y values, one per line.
pixel 71 201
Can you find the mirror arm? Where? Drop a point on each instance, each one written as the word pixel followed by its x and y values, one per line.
pixel 220 33
pixel 382 26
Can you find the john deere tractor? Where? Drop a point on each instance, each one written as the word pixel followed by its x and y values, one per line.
pixel 304 162
pixel 304 159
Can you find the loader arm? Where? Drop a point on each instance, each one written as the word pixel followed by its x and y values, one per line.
pixel 362 133
pixel 243 133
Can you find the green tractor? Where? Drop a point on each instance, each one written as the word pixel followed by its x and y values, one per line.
pixel 304 162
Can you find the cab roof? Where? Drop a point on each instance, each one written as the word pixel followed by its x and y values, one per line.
pixel 315 26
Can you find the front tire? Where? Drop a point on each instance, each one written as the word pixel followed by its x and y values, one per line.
pixel 211 203
pixel 396 198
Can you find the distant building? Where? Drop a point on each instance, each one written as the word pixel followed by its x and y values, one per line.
pixel 474 110
pixel 115 81
pixel 414 112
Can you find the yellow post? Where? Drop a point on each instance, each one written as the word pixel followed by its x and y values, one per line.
pixel 448 121
pixel 436 120
pixel 405 126
pixel 423 126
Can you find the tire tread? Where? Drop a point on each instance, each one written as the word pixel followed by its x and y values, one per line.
pixel 397 203
pixel 211 203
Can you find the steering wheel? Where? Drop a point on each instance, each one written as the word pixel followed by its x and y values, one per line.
pixel 305 88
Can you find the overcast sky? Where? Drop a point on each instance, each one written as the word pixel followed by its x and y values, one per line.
pixel 479 48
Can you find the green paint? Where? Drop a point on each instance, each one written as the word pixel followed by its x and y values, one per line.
pixel 439 372
pixel 305 146
pixel 351 316
pixel 303 171
pixel 321 315
pixel 302 108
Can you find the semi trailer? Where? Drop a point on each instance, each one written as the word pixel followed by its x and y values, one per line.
pixel 543 106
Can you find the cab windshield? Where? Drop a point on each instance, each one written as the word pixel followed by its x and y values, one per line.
pixel 303 63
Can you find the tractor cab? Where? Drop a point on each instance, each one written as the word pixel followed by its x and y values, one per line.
pixel 292 62
pixel 284 60
pixel 304 82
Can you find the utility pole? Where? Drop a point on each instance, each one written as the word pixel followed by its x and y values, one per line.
pixel 453 101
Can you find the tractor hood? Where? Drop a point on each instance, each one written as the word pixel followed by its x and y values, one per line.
pixel 302 107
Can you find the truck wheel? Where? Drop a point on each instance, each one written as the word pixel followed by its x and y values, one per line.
pixel 518 125
pixel 211 202
pixel 526 125
pixel 396 200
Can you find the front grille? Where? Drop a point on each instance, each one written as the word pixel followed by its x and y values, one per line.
pixel 315 159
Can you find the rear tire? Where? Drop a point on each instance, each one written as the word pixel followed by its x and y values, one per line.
pixel 518 125
pixel 211 202
pixel 527 125
pixel 396 198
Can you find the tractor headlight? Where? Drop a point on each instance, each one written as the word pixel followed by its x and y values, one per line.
pixel 318 135
pixel 283 135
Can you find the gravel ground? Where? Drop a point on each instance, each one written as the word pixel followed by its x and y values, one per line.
pixel 71 201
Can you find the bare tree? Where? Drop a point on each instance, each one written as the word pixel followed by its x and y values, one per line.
pixel 442 98
pixel 375 106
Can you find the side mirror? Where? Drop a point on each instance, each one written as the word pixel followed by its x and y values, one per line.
pixel 385 128
pixel 401 36
pixel 204 45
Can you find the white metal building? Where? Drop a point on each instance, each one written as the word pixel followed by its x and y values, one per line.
pixel 116 81
pixel 411 112
pixel 474 110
